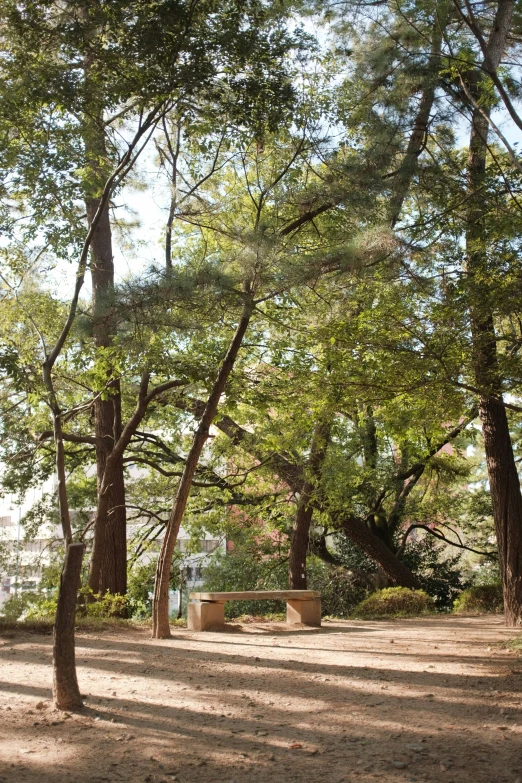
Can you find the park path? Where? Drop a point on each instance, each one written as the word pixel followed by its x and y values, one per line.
pixel 431 699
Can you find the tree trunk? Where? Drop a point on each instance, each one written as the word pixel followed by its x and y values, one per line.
pixel 502 472
pixel 299 542
pixel 108 568
pixel 175 130
pixel 507 504
pixel 304 513
pixel 417 140
pixel 356 530
pixel 180 591
pixel 66 693
pixel 160 605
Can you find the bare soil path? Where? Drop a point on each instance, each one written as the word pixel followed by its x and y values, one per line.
pixel 435 699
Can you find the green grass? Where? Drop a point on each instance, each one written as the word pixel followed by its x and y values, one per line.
pixel 515 644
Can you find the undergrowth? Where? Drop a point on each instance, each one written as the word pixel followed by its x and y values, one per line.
pixel 394 602
pixel 480 599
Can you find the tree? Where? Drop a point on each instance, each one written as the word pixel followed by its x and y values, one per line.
pixel 502 470
pixel 102 67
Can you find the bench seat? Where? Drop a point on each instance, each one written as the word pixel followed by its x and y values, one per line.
pixel 206 611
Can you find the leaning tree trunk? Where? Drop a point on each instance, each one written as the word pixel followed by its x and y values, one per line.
pixel 401 576
pixel 502 471
pixel 160 604
pixel 108 568
pixel 303 518
pixel 66 693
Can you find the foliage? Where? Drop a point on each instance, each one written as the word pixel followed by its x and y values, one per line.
pixel 341 592
pixel 480 599
pixel 245 570
pixel 487 573
pixel 442 575
pixel 41 608
pixel 99 606
pixel 140 587
pixel 15 606
pixel 278 160
pixel 394 602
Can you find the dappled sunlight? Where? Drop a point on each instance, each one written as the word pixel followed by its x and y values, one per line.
pixel 392 701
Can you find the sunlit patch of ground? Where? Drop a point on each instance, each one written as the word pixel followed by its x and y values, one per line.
pixel 433 699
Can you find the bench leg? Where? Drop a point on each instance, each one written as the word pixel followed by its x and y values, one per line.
pixel 205 615
pixel 304 612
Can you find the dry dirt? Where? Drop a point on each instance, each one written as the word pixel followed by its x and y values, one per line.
pixel 406 700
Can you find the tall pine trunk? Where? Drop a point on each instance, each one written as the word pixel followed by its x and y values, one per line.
pixel 108 567
pixel 502 471
pixel 160 604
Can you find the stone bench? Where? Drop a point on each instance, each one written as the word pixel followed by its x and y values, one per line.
pixel 207 610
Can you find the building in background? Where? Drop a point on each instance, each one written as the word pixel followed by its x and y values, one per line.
pixel 22 561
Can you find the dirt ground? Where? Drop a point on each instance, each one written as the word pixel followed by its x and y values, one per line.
pixel 405 700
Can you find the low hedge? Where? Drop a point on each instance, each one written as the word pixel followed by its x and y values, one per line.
pixel 480 599
pixel 394 602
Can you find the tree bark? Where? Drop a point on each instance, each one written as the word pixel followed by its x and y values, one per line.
pixel 108 567
pixel 395 570
pixel 106 494
pixel 305 509
pixel 160 605
pixel 502 472
pixel 66 693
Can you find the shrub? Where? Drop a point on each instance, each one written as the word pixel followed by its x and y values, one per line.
pixel 28 607
pixel 140 588
pixel 105 606
pixel 15 606
pixel 341 590
pixel 440 575
pixel 42 608
pixel 394 602
pixel 480 599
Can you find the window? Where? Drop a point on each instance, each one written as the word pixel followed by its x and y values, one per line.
pixel 5 521
pixel 209 545
pixel 35 546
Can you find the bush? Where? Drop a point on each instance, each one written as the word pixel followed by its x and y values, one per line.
pixel 394 602
pixel 480 599
pixel 341 590
pixel 16 606
pixel 440 575
pixel 140 588
pixel 42 608
pixel 104 606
